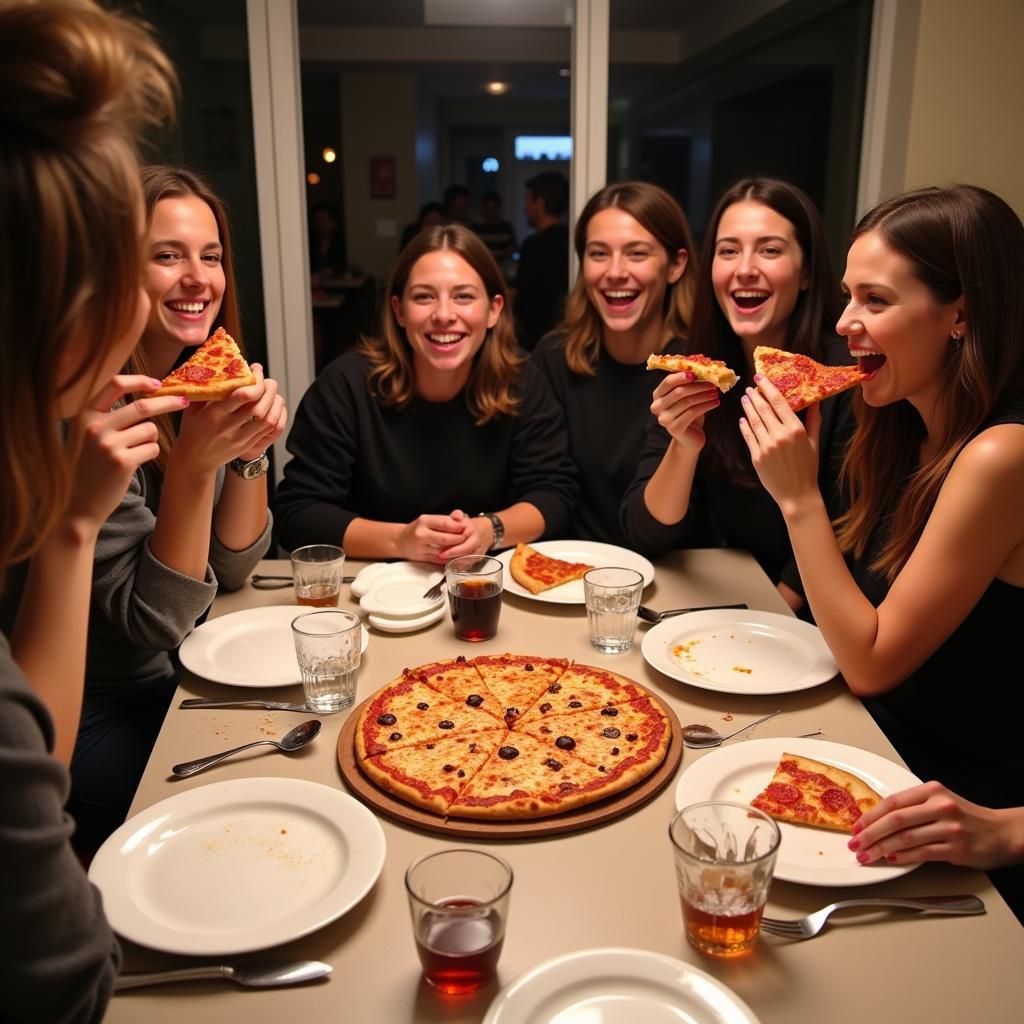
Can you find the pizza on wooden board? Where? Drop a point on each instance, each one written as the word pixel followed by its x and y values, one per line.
pixel 452 757
pixel 213 371
pixel 539 572
pixel 807 792
pixel 801 380
pixel 702 368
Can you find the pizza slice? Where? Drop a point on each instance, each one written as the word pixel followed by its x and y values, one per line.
pixel 702 367
pixel 807 792
pixel 214 370
pixel 538 572
pixel 432 775
pixel 801 380
pixel 635 735
pixel 408 711
pixel 527 778
pixel 580 688
pixel 459 681
pixel 517 680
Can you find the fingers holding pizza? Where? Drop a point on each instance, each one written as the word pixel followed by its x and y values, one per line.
pixel 680 402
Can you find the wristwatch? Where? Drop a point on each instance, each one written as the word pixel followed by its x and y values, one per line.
pixel 250 470
pixel 499 529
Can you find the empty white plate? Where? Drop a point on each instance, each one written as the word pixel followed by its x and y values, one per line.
pixel 399 598
pixel 374 573
pixel 388 625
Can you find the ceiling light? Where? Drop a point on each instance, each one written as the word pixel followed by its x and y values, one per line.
pixel 312 178
pixel 329 155
pixel 497 88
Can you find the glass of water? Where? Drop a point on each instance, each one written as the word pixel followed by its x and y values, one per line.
pixel 613 596
pixel 328 648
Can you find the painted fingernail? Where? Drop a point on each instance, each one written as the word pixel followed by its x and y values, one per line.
pixel 891 858
pixel 182 400
pixel 745 398
pixel 854 844
pixel 857 827
pixel 155 382
pixel 862 857
pixel 758 377
pixel 689 376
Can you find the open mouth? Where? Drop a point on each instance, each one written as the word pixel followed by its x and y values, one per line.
pixel 869 362
pixel 621 297
pixel 191 307
pixel 749 299
pixel 444 340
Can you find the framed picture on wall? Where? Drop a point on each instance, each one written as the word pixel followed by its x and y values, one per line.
pixel 382 177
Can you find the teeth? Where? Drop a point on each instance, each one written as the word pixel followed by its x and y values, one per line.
pixel 445 339
pixel 187 307
pixel 750 295
pixel 621 295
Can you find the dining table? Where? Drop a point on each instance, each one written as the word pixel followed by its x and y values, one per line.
pixel 608 885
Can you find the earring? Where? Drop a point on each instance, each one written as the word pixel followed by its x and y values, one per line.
pixel 957 337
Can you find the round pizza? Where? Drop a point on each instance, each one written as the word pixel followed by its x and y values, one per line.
pixel 509 736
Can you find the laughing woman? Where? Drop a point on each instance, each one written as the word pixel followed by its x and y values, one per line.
pixel 194 520
pixel 926 626
pixel 633 297
pixel 436 439
pixel 765 279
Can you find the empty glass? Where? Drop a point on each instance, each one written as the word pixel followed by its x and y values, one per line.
pixel 328 649
pixel 613 596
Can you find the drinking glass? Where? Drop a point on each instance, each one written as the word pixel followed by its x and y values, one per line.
pixel 725 856
pixel 317 570
pixel 328 649
pixel 459 905
pixel 474 594
pixel 613 596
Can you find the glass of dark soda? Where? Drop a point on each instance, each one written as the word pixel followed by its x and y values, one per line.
pixel 459 905
pixel 474 594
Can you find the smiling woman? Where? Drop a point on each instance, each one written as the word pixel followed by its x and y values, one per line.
pixel 434 440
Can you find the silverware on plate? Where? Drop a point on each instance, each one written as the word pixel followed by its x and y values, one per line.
pixel 650 615
pixel 267 705
pixel 259 975
pixel 809 926
pixel 434 591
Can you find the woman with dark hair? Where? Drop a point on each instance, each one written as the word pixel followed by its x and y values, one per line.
pixel 633 297
pixel 78 84
pixel 436 416
pixel 765 279
pixel 925 625
pixel 193 520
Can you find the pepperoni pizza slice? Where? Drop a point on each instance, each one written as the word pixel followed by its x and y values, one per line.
pixel 537 572
pixel 702 367
pixel 801 380
pixel 214 370
pixel 807 792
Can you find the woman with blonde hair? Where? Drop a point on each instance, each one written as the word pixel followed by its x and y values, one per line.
pixel 920 596
pixel 633 297
pixel 76 86
pixel 435 439
pixel 193 520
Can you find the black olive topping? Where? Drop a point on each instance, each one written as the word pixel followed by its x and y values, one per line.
pixel 575 703
pixel 545 708
pixel 448 768
pixel 461 774
pixel 610 712
pixel 611 733
pixel 422 706
pixel 631 736
pixel 554 687
pixel 430 746
pixel 527 667
pixel 474 700
pixel 395 736
pixel 507 753
pixel 386 719
pixel 566 786
pixel 601 768
pixel 445 724
pixel 511 712
pixel 555 766
pixel 461 660
pixel 565 743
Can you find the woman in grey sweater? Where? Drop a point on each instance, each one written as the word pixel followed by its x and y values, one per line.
pixel 76 85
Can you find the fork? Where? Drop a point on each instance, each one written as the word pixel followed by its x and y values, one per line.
pixel 809 926
pixel 653 617
pixel 434 591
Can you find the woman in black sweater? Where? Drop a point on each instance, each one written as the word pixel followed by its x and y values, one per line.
pixel 633 297
pixel 436 439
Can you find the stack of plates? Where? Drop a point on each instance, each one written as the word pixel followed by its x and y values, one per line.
pixel 392 594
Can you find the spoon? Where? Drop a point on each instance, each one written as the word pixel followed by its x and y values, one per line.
pixel 263 975
pixel 700 736
pixel 292 740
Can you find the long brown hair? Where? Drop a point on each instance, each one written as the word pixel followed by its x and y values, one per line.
pixel 161 182
pixel 77 87
pixel 813 316
pixel 657 212
pixel 491 385
pixel 962 241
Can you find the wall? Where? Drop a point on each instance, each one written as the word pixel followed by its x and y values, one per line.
pixel 378 114
pixel 965 108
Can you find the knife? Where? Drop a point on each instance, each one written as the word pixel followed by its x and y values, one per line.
pixel 265 975
pixel 269 705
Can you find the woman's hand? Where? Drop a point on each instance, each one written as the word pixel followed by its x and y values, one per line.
pixel 241 426
pixel 434 538
pixel 930 822
pixel 680 402
pixel 114 443
pixel 784 452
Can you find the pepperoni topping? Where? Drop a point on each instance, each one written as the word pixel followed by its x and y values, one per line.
pixel 837 799
pixel 234 368
pixel 782 793
pixel 195 374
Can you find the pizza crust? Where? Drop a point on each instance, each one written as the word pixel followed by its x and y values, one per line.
pixel 703 368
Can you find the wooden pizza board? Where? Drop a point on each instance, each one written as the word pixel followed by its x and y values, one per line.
pixel 569 821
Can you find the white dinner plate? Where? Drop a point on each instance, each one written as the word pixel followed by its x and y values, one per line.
pixel 248 648
pixel 387 625
pixel 399 597
pixel 617 986
pixel 421 572
pixel 238 865
pixel 737 651
pixel 588 551
pixel 814 856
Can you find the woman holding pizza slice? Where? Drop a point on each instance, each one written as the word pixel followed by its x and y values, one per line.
pixel 633 297
pixel 77 84
pixel 193 520
pixel 765 279
pixel 920 591
pixel 435 439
